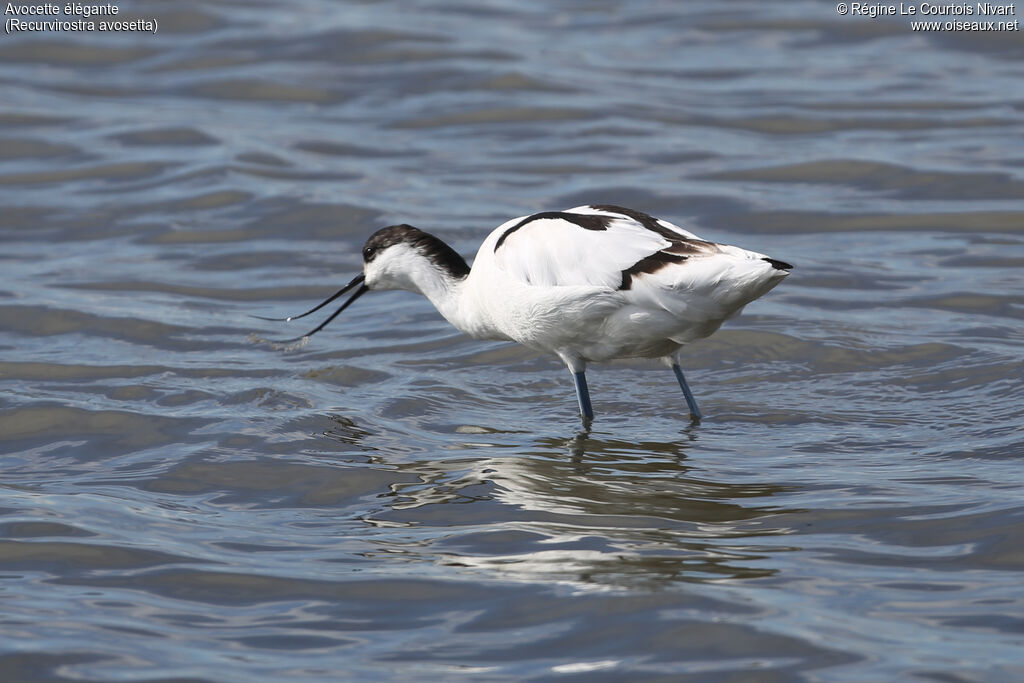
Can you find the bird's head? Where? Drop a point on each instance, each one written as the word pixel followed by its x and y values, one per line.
pixel 396 257
pixel 399 256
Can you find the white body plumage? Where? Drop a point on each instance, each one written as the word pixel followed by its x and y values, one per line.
pixel 592 283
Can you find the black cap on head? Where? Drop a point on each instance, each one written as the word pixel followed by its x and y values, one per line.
pixel 439 253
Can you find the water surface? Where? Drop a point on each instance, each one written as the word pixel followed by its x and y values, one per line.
pixel 182 500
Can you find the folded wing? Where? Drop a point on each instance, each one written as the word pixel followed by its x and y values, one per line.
pixel 602 246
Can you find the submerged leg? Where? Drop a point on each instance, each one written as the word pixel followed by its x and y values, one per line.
pixel 583 396
pixel 577 366
pixel 691 402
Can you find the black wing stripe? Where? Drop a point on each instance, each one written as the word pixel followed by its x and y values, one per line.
pixel 585 221
pixel 649 264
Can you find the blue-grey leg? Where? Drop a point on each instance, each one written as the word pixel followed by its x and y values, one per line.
pixel 690 400
pixel 583 395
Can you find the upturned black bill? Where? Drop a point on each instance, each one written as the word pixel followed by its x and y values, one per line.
pixel 363 289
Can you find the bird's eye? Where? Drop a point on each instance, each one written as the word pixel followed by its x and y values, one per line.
pixel 368 253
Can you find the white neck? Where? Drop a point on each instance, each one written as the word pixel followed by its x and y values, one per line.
pixel 408 270
pixel 443 290
pixel 451 297
pixel 404 267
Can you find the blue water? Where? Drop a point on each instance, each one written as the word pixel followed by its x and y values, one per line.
pixel 182 500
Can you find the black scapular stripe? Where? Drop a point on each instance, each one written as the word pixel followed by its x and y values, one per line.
pixel 646 220
pixel 585 221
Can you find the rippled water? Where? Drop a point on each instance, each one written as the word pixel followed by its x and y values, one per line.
pixel 181 500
